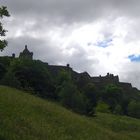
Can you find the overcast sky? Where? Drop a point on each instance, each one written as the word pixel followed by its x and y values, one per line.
pixel 97 36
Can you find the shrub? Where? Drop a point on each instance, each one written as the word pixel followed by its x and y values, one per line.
pixel 70 97
pixel 102 107
pixel 91 94
pixel 2 71
pixel 118 110
pixel 134 109
pixel 112 96
pixel 10 80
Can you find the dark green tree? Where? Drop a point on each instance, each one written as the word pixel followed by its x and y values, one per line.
pixel 125 102
pixel 3 12
pixel 62 77
pixel 34 76
pixel 112 95
pixel 4 65
pixel 102 107
pixel 134 109
pixel 10 79
pixel 71 98
pixel 91 94
pixel 2 71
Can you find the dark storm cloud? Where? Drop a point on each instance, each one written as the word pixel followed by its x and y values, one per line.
pixel 73 10
pixel 54 9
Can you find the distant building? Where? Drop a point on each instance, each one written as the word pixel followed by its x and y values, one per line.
pixel 26 54
pixel 109 78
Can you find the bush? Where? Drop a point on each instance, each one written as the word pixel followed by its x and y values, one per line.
pixel 91 94
pixel 134 109
pixel 32 76
pixel 102 107
pixel 2 70
pixel 70 97
pixel 63 76
pixel 118 110
pixel 10 80
pixel 112 95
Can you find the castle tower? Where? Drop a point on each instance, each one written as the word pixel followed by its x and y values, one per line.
pixel 26 54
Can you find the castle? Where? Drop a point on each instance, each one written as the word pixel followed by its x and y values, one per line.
pixel 83 77
pixel 26 54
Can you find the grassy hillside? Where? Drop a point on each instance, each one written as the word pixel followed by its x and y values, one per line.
pixel 26 117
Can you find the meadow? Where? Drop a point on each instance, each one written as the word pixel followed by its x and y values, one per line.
pixel 26 117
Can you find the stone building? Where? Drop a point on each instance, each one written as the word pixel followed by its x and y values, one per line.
pixel 26 54
pixel 109 78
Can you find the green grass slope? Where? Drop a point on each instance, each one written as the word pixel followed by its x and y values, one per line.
pixel 26 117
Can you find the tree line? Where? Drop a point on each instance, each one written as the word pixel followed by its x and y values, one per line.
pixel 35 77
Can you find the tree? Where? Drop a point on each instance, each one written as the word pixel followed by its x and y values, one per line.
pixel 3 12
pixel 62 77
pixel 71 98
pixel 134 109
pixel 112 96
pixel 91 93
pixel 102 107
pixel 9 79
pixel 2 70
pixel 33 76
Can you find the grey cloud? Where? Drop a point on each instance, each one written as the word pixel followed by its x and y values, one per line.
pixel 48 14
pixel 73 10
pixel 79 59
pixel 49 52
pixel 42 50
pixel 130 73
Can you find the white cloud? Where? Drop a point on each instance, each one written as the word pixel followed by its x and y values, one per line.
pixel 63 31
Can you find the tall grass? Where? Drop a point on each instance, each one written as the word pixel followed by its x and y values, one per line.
pixel 26 117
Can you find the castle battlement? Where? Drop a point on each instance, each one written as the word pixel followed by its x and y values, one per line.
pixel 109 78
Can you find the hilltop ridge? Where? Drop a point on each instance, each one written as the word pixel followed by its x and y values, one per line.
pixel 25 117
pixel 97 80
pixel 77 91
